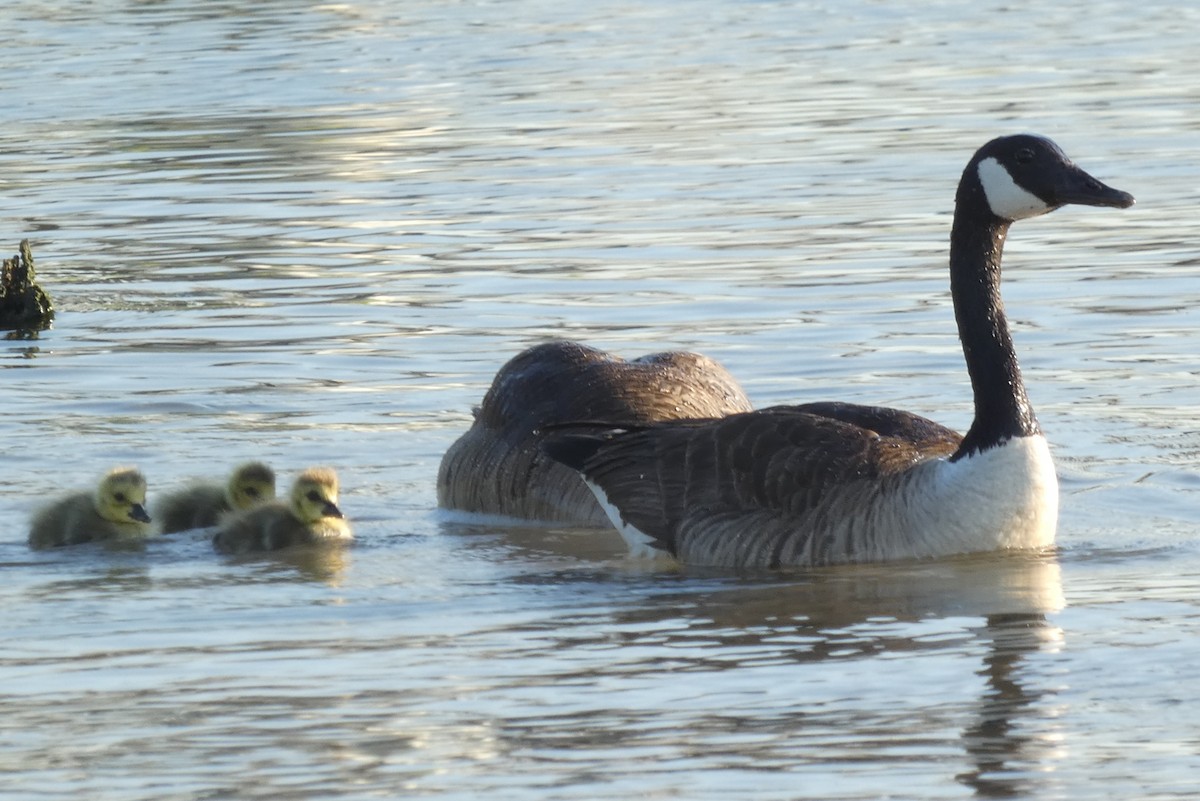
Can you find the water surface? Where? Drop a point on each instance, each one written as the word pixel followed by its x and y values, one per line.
pixel 311 234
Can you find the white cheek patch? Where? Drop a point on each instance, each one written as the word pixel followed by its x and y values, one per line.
pixel 1008 201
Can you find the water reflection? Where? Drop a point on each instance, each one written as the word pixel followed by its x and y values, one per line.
pixel 801 658
pixel 98 581
pixel 1009 753
pixel 326 564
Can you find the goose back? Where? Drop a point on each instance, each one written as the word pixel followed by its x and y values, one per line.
pixel 760 490
pixel 498 467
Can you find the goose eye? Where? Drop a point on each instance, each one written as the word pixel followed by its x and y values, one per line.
pixel 1024 155
pixel 252 492
pixel 314 496
pixel 120 497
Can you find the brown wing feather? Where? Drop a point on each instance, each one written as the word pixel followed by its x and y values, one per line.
pixel 498 466
pixel 734 488
pixel 922 432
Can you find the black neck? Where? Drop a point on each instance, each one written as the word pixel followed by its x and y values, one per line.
pixel 1002 409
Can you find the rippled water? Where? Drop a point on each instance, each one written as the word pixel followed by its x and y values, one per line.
pixel 312 233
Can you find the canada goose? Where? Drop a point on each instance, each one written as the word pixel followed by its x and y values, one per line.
pixel 497 466
pixel 114 510
pixel 827 483
pixel 310 515
pixel 202 505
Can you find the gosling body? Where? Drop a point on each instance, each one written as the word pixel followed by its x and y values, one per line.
pixel 115 510
pixel 202 505
pixel 309 516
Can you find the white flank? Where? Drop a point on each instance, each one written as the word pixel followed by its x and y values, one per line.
pixel 1004 497
pixel 1008 200
pixel 640 544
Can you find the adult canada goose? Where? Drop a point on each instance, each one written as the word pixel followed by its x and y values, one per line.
pixel 114 510
pixel 827 483
pixel 202 505
pixel 497 466
pixel 310 515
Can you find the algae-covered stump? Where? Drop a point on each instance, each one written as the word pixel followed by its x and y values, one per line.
pixel 23 304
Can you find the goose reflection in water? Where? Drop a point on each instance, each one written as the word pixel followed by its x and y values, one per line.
pixel 1008 741
pixel 1000 747
pixel 807 644
pixel 854 612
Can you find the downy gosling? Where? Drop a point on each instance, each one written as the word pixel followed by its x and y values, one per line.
pixel 116 509
pixel 204 504
pixel 310 515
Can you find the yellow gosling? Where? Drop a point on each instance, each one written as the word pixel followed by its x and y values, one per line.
pixel 310 515
pixel 116 509
pixel 203 504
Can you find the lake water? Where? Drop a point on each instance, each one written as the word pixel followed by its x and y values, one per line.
pixel 311 233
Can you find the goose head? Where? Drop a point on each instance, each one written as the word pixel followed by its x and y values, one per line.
pixel 121 496
pixel 315 494
pixel 251 484
pixel 1026 175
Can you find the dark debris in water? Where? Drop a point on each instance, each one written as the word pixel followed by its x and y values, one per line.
pixel 25 308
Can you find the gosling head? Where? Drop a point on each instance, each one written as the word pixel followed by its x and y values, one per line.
pixel 121 496
pixel 251 484
pixel 315 494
